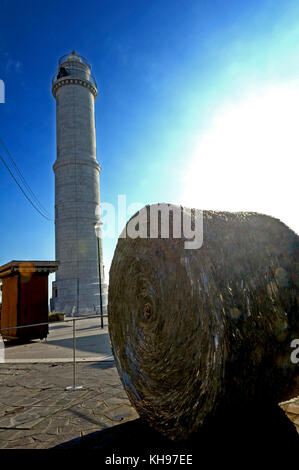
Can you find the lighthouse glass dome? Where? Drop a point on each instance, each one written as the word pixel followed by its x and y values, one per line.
pixel 75 66
pixel 74 57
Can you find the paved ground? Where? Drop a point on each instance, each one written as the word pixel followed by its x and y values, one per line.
pixel 36 411
pixel 92 344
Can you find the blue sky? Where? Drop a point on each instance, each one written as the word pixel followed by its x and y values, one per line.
pixel 198 105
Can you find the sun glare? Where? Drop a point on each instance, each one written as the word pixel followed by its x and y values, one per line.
pixel 247 161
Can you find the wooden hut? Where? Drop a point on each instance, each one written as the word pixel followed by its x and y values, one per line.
pixel 25 298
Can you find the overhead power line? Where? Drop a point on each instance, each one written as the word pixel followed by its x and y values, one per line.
pixel 23 191
pixel 37 202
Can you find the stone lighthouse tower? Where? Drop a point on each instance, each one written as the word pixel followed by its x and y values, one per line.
pixel 80 277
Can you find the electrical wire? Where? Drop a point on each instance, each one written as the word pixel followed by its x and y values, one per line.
pixel 26 196
pixel 42 208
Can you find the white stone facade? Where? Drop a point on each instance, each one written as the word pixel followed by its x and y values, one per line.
pixel 76 289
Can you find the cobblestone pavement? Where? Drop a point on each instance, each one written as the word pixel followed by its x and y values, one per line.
pixel 37 413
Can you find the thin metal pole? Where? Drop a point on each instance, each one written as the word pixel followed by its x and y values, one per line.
pixel 77 296
pixel 74 352
pixel 100 283
pixel 74 386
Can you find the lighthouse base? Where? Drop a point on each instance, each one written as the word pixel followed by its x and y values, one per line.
pixel 74 298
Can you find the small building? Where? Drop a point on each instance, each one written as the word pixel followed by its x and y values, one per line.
pixel 25 298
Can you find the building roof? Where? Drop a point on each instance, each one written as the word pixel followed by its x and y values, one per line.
pixel 28 266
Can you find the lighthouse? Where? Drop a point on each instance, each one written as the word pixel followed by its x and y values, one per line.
pixel 79 287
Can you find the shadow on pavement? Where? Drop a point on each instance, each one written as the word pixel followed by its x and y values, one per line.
pixel 96 344
pixel 264 432
pixel 11 343
pixel 102 364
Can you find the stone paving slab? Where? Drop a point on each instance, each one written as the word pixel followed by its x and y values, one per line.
pixel 34 410
pixel 33 396
pixel 37 413
pixel 26 418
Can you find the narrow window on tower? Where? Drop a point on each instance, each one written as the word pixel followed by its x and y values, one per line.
pixel 62 73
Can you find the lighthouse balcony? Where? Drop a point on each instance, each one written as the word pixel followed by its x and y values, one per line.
pixel 64 73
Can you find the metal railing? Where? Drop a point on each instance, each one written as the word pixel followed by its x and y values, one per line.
pixel 75 73
pixel 66 56
pixel 70 319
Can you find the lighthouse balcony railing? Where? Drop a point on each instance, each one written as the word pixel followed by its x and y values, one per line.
pixel 65 58
pixel 74 73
